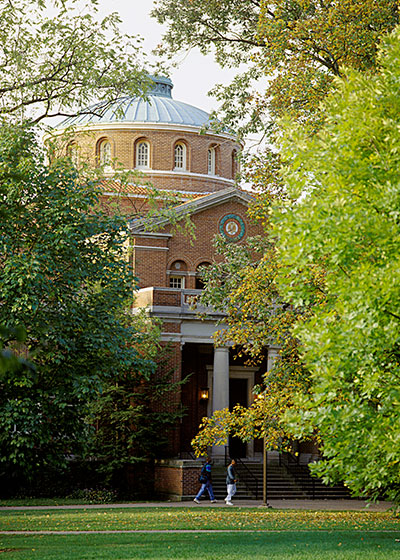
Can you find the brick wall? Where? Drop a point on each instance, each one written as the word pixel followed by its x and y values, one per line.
pixel 176 479
pixel 151 266
pixel 123 145
pixel 172 362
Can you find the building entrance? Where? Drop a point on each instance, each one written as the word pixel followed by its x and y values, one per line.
pixel 238 394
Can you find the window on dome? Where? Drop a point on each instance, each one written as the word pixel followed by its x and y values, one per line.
pixel 211 161
pixel 235 166
pixel 142 154
pixel 180 156
pixel 105 153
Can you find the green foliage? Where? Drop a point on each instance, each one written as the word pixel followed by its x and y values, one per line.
pixel 64 280
pixel 297 45
pixel 57 56
pixel 137 407
pixel 346 221
pixel 9 360
pixel 94 495
pixel 243 288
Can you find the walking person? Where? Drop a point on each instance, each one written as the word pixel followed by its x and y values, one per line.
pixel 231 482
pixel 206 482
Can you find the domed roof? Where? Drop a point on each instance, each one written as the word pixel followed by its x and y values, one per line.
pixel 158 108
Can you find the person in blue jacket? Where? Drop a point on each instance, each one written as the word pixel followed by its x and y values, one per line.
pixel 206 483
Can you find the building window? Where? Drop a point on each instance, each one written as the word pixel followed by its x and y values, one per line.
pixel 73 153
pixel 211 161
pixel 176 282
pixel 199 282
pixel 235 166
pixel 142 154
pixel 105 153
pixel 180 156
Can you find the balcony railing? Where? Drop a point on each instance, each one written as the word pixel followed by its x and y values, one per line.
pixel 184 299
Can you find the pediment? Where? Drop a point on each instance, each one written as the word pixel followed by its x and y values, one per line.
pixel 193 207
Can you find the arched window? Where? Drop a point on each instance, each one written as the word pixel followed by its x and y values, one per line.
pixel 235 166
pixel 200 275
pixel 211 161
pixel 177 274
pixel 73 152
pixel 176 281
pixel 180 156
pixel 142 154
pixel 105 153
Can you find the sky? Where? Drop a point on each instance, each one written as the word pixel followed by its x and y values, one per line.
pixel 196 74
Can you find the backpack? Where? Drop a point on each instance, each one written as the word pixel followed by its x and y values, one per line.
pixel 202 476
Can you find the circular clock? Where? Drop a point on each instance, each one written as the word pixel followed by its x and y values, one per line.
pixel 232 227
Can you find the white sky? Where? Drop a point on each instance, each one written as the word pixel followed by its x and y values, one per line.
pixel 196 74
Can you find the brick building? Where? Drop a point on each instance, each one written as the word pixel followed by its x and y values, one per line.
pixel 170 144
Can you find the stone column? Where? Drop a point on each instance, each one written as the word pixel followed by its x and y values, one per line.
pixel 220 394
pixel 273 353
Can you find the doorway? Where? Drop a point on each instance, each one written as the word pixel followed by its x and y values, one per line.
pixel 238 394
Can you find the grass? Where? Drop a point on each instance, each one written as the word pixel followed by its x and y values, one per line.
pixel 342 545
pixel 254 533
pixel 195 519
pixel 42 502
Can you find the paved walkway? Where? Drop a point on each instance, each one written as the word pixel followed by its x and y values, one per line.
pixel 324 505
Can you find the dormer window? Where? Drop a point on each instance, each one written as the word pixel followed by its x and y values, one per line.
pixel 180 156
pixel 105 153
pixel 142 154
pixel 211 161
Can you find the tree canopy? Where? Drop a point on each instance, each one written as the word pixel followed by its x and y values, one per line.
pixel 303 48
pixel 297 45
pixel 346 222
pixel 244 288
pixel 65 283
pixel 58 57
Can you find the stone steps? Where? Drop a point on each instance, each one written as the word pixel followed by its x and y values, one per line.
pixel 281 484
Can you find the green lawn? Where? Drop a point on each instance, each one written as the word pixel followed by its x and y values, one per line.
pixel 253 533
pixel 195 518
pixel 341 545
pixel 42 502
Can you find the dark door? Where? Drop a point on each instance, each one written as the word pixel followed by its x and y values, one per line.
pixel 237 395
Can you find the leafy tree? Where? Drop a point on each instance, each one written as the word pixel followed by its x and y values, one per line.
pixel 299 45
pixel 57 57
pixel 64 280
pixel 346 221
pixel 9 359
pixel 244 287
pixel 137 407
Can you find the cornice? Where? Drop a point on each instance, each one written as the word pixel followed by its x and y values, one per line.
pixel 181 174
pixel 134 125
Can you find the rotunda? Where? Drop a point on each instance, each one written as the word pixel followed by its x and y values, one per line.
pixel 170 142
pixel 174 147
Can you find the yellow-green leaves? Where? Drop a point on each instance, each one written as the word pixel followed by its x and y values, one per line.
pixel 347 224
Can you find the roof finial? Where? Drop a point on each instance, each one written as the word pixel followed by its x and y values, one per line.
pixel 162 86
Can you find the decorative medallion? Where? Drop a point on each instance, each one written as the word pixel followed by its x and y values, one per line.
pixel 232 227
